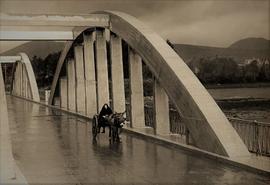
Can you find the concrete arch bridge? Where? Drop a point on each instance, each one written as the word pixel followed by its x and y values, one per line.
pixel 85 88
pixel 107 46
pixel 82 78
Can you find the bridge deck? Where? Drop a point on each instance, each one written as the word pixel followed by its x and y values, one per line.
pixel 54 147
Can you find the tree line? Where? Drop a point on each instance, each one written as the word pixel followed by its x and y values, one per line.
pixel 209 70
pixel 44 69
pixel 226 70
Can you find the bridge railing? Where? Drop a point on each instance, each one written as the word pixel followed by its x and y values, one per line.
pixel 255 135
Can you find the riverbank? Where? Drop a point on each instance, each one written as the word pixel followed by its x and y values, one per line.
pixel 244 103
pixel 237 85
pixel 240 93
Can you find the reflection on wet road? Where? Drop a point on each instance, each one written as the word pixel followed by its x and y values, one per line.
pixel 53 147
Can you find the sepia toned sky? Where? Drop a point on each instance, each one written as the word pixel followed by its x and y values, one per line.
pixel 200 22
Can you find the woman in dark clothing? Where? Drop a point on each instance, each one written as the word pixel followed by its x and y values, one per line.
pixel 105 111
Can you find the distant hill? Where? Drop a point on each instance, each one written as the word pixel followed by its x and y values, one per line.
pixel 240 50
pixel 39 48
pixel 187 52
pixel 252 44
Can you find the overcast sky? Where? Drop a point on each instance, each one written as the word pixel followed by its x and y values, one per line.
pixel 201 22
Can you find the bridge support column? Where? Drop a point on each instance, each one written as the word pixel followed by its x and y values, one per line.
pixel 90 77
pixel 161 110
pixel 63 93
pixel 15 89
pixel 29 96
pixel 71 85
pixel 118 88
pixel 16 81
pixel 136 90
pixel 80 82
pixel 24 81
pixel 20 78
pixel 102 69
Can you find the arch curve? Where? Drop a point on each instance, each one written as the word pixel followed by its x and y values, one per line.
pixel 209 126
pixel 24 82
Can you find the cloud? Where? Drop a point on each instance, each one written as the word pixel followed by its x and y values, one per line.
pixel 215 23
pixel 220 31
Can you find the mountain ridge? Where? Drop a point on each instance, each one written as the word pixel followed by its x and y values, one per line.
pixel 251 43
pixel 36 48
pixel 239 50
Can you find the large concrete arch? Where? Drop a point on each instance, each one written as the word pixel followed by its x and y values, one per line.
pixel 208 125
pixel 22 70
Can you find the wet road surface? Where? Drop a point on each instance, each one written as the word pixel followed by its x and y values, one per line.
pixel 52 147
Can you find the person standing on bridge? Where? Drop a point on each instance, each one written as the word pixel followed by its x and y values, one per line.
pixel 105 111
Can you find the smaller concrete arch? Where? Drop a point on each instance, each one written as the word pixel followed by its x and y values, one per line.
pixel 23 79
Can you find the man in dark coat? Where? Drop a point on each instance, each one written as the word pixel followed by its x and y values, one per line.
pixel 105 111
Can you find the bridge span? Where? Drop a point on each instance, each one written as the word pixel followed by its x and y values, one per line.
pixel 53 147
